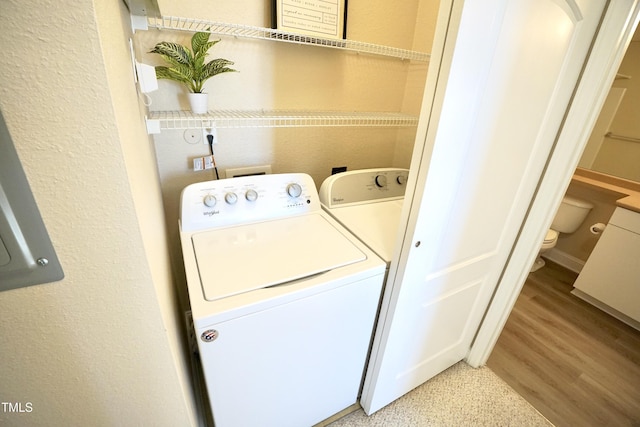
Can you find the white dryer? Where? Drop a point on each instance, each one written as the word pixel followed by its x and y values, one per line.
pixel 368 202
pixel 283 300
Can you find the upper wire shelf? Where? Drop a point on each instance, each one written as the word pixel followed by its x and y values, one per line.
pixel 168 120
pixel 247 31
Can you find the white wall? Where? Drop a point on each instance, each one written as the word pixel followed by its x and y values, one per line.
pixel 422 41
pixel 100 347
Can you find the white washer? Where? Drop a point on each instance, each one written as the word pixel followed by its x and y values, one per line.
pixel 283 300
pixel 368 202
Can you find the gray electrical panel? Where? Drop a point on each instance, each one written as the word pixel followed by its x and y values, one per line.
pixel 27 256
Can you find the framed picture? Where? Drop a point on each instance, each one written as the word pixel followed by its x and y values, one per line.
pixel 325 19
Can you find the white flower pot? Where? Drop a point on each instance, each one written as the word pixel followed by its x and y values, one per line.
pixel 199 103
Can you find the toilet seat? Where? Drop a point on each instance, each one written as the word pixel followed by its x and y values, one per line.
pixel 552 236
pixel 550 240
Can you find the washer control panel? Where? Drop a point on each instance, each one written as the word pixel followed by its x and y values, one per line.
pixel 363 186
pixel 226 202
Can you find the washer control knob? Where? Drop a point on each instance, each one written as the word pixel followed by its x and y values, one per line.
pixel 209 200
pixel 231 198
pixel 251 195
pixel 381 181
pixel 401 179
pixel 294 190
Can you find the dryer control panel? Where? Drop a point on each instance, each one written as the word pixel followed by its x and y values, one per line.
pixel 363 186
pixel 240 200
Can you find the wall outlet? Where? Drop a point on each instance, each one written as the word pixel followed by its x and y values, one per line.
pixel 210 131
pixel 338 169
pixel 198 164
pixel 208 162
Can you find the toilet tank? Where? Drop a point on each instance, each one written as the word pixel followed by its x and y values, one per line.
pixel 571 214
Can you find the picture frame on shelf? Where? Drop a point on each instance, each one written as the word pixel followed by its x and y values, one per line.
pixel 325 19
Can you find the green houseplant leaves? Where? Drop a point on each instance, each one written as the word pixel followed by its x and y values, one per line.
pixel 187 66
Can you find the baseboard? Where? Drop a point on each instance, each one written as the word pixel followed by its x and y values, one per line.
pixel 564 259
pixel 346 411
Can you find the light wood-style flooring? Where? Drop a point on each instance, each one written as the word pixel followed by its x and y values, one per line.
pixel 575 364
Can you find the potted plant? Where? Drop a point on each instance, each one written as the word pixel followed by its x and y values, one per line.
pixel 188 66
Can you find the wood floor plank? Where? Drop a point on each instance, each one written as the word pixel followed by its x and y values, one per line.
pixel 556 379
pixel 574 363
pixel 529 385
pixel 594 356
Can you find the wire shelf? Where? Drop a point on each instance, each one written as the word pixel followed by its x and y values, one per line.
pixel 168 120
pixel 246 31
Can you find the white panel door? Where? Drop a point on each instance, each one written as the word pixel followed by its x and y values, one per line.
pixel 495 118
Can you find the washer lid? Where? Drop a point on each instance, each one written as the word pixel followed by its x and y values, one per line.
pixel 376 224
pixel 240 259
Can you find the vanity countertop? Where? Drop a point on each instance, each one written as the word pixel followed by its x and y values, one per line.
pixel 629 191
pixel 630 202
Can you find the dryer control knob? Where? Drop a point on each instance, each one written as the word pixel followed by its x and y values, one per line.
pixel 381 181
pixel 231 198
pixel 401 179
pixel 209 200
pixel 251 195
pixel 294 190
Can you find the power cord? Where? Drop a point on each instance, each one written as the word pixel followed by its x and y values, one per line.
pixel 213 157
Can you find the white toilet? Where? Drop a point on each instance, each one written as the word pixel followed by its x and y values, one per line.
pixel 571 214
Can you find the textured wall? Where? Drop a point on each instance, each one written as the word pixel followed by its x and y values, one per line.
pixel 92 349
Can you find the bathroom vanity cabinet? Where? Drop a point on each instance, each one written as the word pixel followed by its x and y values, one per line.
pixel 610 278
